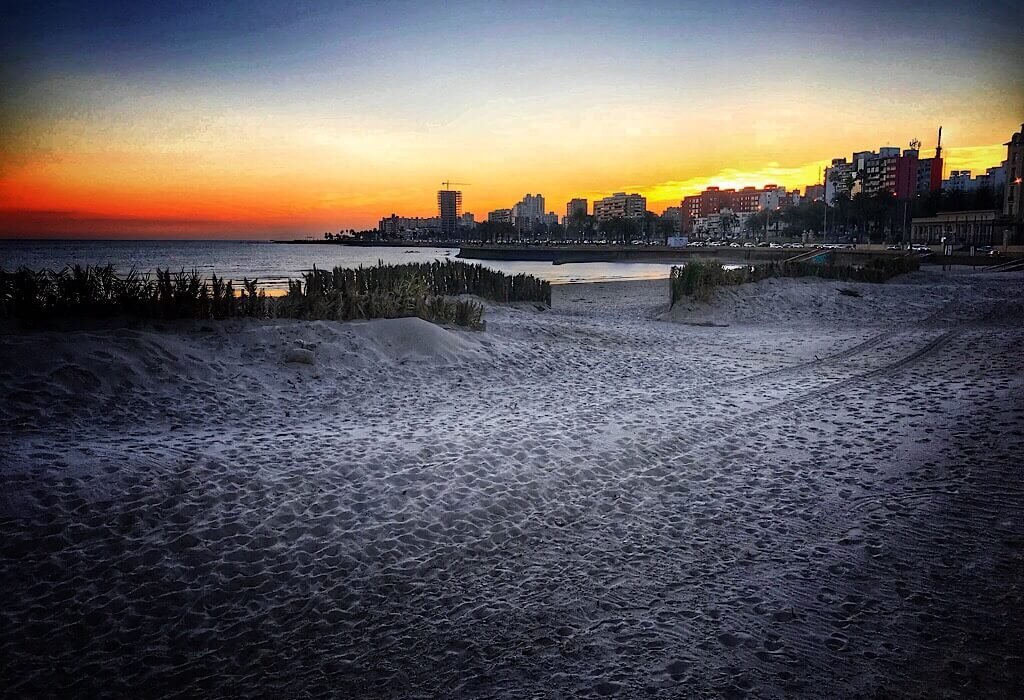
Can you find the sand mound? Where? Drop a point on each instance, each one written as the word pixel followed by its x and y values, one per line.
pixel 185 372
pixel 402 339
pixel 810 300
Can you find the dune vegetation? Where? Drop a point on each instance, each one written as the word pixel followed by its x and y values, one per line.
pixel 698 279
pixel 433 291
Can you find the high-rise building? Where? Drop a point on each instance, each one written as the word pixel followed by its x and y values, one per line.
pixel 929 175
pixel 449 207
pixel 839 178
pixel 814 193
pixel 698 206
pixel 500 216
pixel 575 206
pixel 771 197
pixel 675 215
pixel 620 205
pixel 1013 206
pixel 528 212
pixel 993 177
pixel 887 170
pixel 904 184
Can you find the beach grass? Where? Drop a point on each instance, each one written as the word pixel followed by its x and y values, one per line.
pixel 99 292
pixel 698 279
pixel 433 291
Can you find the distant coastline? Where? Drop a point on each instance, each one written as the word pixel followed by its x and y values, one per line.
pixel 371 244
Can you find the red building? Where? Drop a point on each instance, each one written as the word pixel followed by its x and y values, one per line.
pixel 904 185
pixel 743 202
pixel 900 175
pixel 747 200
pixel 929 174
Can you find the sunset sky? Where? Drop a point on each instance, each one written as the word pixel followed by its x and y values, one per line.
pixel 260 119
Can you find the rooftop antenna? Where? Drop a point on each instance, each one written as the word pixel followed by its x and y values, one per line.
pixel 938 145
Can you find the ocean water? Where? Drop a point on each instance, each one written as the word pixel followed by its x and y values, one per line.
pixel 272 264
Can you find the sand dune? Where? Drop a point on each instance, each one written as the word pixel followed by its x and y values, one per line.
pixel 822 498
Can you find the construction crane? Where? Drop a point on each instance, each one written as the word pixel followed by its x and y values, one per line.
pixel 448 183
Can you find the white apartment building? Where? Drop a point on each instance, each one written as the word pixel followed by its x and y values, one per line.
pixel 838 178
pixel 961 180
pixel 528 212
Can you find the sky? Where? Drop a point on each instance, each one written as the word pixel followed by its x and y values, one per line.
pixel 267 119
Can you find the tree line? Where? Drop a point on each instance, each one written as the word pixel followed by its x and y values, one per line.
pixel 582 227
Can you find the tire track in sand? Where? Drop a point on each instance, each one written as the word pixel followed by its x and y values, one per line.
pixel 718 428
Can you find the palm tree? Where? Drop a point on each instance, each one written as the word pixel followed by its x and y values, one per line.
pixel 666 229
pixel 649 221
pixel 578 224
pixel 728 219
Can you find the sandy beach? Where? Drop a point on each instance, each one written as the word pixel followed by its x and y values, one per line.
pixel 802 488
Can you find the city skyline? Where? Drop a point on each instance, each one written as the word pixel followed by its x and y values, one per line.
pixel 149 121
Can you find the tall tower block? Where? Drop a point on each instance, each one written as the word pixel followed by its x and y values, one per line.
pixel 449 209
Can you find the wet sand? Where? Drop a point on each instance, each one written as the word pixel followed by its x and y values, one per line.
pixel 814 495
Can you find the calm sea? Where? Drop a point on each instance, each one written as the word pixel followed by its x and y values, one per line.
pixel 273 263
